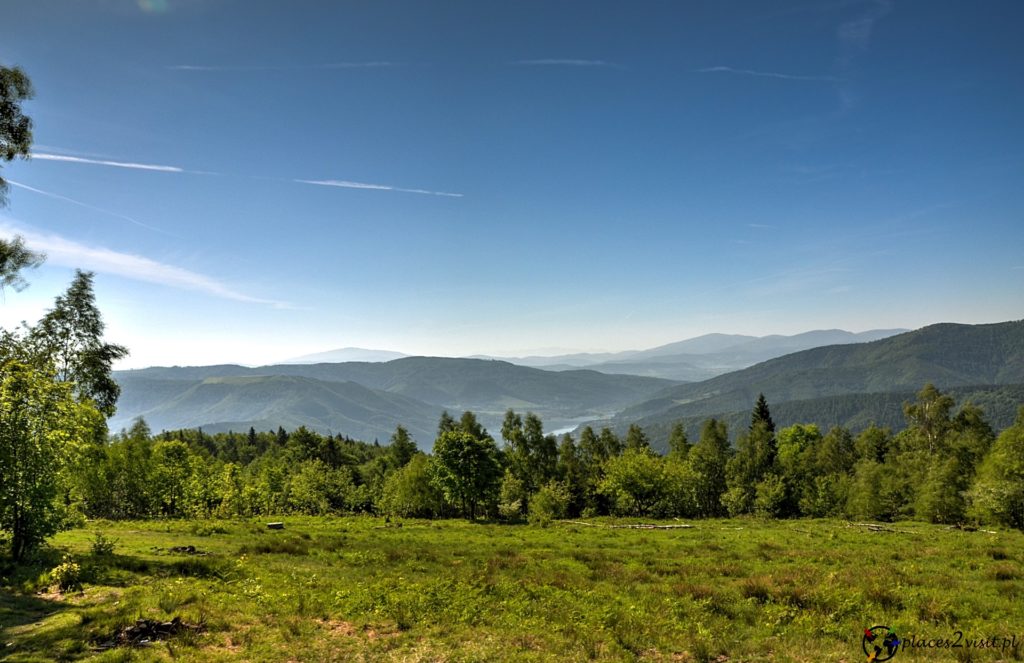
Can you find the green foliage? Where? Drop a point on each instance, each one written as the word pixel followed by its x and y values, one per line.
pixel 636 439
pixel 67 575
pixel 549 503
pixel 402 448
pixel 998 492
pixel 709 459
pixel 41 427
pixel 70 336
pixel 15 258
pixel 754 459
pixel 15 126
pixel 410 492
pixel 466 470
pixel 635 481
pixel 102 545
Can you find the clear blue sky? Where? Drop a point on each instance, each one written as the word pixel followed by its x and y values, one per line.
pixel 469 177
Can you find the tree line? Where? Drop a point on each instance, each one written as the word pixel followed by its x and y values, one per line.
pixel 945 466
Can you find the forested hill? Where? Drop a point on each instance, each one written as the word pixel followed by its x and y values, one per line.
pixel 948 355
pixel 854 412
pixel 212 396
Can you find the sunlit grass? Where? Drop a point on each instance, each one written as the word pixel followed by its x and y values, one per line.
pixel 348 589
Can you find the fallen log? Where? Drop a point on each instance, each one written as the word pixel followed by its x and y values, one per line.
pixel 637 526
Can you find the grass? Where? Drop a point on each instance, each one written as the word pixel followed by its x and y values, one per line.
pixel 348 589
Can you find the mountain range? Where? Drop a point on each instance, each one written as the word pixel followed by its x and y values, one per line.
pixel 690 360
pixel 368 400
pixel 846 383
pixel 855 384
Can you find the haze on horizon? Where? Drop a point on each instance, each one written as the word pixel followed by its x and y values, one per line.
pixel 254 181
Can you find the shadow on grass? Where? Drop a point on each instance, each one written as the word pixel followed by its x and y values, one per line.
pixel 36 627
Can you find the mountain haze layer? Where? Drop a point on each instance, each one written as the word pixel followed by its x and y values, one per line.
pixel 705 356
pixel 369 399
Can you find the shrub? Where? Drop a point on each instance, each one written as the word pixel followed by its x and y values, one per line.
pixel 550 502
pixel 103 546
pixel 67 575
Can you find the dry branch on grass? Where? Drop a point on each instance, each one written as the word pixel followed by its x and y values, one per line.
pixel 639 526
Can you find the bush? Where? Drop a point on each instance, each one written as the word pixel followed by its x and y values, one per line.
pixel 103 546
pixel 67 575
pixel 549 503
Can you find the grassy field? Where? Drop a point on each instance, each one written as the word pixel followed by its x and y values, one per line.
pixel 352 589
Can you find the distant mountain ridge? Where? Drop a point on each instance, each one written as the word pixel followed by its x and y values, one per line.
pixel 375 398
pixel 342 355
pixel 948 355
pixel 706 356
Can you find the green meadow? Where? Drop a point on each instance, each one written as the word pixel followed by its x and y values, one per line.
pixel 360 589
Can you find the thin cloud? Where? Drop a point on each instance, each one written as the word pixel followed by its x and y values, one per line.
pixel 346 184
pixel 566 62
pixel 86 206
pixel 103 162
pixel 68 253
pixel 767 74
pixel 854 39
pixel 294 67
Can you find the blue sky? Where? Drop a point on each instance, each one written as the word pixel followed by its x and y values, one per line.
pixel 255 180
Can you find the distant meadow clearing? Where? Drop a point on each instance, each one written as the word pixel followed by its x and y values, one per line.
pixel 362 589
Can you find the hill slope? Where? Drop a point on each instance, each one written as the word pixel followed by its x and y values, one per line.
pixel 211 395
pixel 948 355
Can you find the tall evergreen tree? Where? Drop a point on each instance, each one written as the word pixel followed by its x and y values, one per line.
pixel 636 439
pixel 761 415
pixel 402 447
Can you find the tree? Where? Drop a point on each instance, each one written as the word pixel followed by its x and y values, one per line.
pixel 409 491
pixel 445 423
pixel 40 426
pixel 466 469
pixel 678 444
pixel 636 439
pixel 402 447
pixel 636 481
pixel 572 474
pixel 754 460
pixel 70 335
pixel 761 415
pixel 550 502
pixel 929 418
pixel 15 141
pixel 708 459
pixel 15 126
pixel 998 491
pixel 14 258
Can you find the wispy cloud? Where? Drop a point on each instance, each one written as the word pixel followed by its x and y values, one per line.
pixel 69 253
pixel 103 162
pixel 346 184
pixel 768 74
pixel 854 40
pixel 566 62
pixel 57 196
pixel 855 34
pixel 377 64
